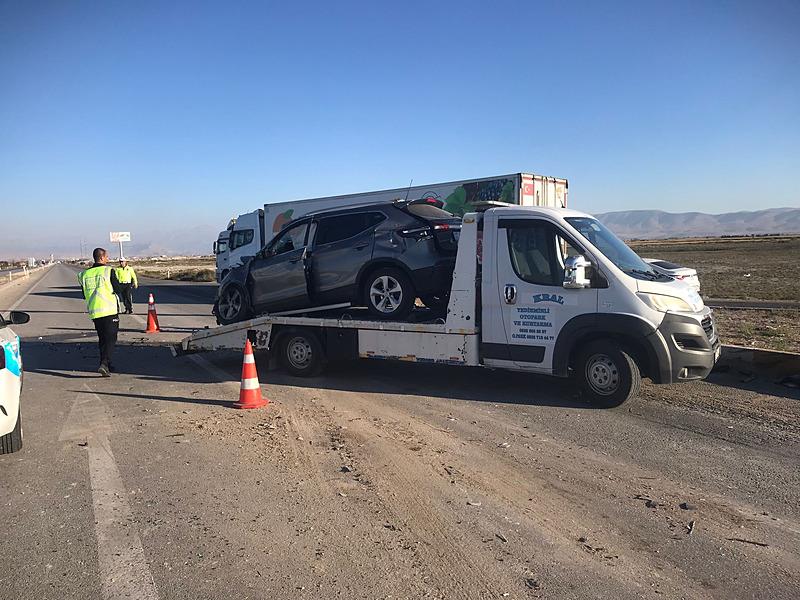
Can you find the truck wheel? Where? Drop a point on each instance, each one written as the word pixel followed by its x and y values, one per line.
pixel 302 354
pixel 12 442
pixel 389 293
pixel 608 375
pixel 233 305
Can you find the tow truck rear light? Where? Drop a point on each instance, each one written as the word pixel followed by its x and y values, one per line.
pixel 441 226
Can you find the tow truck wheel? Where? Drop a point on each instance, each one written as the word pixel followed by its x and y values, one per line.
pixel 608 375
pixel 302 354
pixel 12 442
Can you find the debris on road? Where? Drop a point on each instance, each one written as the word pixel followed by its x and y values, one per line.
pixel 690 528
pixel 471 503
pixel 501 537
pixel 346 469
pixel 687 506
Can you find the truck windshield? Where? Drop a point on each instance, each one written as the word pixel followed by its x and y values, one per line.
pixel 222 246
pixel 614 249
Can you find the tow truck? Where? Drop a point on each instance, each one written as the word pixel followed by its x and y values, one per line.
pixel 536 289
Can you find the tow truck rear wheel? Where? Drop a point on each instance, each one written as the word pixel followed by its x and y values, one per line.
pixel 608 375
pixel 301 353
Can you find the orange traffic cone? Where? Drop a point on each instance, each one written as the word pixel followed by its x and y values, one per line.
pixel 152 317
pixel 250 391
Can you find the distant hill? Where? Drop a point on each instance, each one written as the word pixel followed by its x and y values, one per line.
pixel 649 224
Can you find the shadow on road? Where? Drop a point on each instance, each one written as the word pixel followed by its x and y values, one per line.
pixel 187 399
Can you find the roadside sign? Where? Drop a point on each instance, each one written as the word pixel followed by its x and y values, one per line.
pixel 120 236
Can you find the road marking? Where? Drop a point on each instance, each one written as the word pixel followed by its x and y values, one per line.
pixel 124 572
pixel 30 289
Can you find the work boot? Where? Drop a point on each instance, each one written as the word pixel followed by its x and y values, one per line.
pixel 103 370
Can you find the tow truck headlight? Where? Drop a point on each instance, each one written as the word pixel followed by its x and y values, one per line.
pixel 663 303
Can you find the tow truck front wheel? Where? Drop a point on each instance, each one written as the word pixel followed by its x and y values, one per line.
pixel 301 353
pixel 608 375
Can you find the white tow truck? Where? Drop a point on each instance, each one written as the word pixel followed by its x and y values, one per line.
pixel 537 289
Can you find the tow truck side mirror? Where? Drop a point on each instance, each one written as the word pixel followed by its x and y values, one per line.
pixel 575 273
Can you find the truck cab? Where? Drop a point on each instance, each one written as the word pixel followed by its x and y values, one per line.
pixel 562 293
pixel 243 238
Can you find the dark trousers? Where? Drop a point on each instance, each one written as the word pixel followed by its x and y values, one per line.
pixel 107 329
pixel 126 295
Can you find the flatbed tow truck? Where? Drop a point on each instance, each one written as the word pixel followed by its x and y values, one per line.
pixel 535 289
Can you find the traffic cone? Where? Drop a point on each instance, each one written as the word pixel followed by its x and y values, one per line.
pixel 152 316
pixel 250 391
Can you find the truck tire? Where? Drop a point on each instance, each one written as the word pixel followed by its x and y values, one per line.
pixel 607 374
pixel 301 353
pixel 12 442
pixel 389 293
pixel 233 305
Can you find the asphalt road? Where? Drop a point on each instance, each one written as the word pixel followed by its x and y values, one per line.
pixel 378 480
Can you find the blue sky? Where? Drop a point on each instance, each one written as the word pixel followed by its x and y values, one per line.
pixel 169 118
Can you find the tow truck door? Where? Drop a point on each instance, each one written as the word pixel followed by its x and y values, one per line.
pixel 529 305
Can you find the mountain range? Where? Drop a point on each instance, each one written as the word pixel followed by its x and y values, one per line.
pixel 651 224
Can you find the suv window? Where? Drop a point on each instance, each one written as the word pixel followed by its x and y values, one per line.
pixel 341 227
pixel 537 252
pixel 428 211
pixel 291 239
pixel 241 238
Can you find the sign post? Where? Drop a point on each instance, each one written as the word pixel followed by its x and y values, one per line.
pixel 120 236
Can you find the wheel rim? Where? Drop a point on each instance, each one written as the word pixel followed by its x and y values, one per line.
pixel 386 294
pixel 230 303
pixel 299 353
pixel 602 374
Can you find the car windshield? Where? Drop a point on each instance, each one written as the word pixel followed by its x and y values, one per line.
pixel 614 248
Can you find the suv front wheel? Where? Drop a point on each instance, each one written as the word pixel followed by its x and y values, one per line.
pixel 389 293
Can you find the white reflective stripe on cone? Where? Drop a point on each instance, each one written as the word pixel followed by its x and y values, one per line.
pixel 248 359
pixel 250 384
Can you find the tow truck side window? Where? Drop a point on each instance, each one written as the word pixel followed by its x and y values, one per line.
pixel 538 251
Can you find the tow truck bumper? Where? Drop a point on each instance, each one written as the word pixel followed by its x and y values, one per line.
pixel 691 346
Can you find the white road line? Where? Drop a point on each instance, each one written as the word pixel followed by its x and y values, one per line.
pixel 30 289
pixel 124 572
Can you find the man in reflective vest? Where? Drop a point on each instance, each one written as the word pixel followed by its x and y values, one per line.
pixel 99 284
pixel 126 277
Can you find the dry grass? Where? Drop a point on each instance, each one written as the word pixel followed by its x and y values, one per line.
pixel 183 269
pixel 749 268
pixel 746 268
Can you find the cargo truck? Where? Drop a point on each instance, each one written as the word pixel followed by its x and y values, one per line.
pixel 250 232
pixel 536 289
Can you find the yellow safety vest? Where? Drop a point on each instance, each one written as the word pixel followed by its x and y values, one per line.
pixel 126 275
pixel 98 292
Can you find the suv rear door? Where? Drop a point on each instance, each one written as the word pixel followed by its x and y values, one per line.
pixel 342 245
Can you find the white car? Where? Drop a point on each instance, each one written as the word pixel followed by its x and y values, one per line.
pixel 684 274
pixel 10 383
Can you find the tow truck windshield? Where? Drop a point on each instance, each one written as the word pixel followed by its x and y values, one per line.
pixel 615 249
